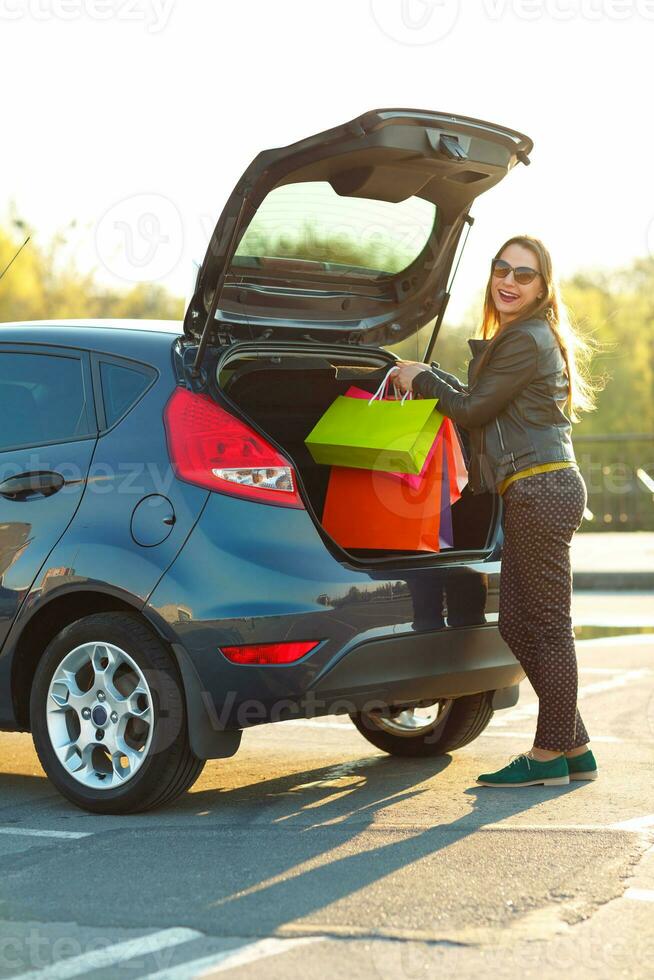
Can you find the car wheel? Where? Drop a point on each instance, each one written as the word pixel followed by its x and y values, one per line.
pixel 108 717
pixel 439 728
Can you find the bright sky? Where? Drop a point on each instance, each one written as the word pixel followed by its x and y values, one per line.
pixel 138 116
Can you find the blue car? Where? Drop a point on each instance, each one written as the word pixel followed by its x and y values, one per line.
pixel 165 578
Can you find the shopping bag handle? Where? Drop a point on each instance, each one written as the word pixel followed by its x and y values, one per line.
pixel 382 388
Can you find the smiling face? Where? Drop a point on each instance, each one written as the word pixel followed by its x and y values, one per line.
pixel 509 296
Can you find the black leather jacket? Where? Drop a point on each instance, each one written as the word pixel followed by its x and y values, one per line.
pixel 513 409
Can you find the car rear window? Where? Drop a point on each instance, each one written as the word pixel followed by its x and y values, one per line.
pixel 42 400
pixel 309 221
pixel 122 386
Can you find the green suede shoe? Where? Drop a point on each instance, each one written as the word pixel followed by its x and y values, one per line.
pixel 582 766
pixel 525 771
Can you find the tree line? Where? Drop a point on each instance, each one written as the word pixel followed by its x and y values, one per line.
pixel 616 307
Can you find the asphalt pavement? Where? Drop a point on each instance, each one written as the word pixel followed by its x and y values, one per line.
pixel 311 853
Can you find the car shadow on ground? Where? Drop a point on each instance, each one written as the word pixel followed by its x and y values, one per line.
pixel 257 858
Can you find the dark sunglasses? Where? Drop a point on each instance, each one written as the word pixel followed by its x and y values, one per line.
pixel 523 274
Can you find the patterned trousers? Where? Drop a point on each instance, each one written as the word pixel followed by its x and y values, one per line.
pixel 541 512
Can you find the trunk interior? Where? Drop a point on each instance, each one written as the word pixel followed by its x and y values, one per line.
pixel 285 392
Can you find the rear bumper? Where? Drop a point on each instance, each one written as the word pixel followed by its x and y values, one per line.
pixel 393 671
pixel 402 669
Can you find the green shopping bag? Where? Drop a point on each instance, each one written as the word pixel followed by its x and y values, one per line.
pixel 392 436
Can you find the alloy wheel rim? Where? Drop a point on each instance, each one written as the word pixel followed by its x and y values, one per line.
pixel 100 715
pixel 414 722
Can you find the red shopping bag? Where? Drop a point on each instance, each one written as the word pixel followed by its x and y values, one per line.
pixel 373 509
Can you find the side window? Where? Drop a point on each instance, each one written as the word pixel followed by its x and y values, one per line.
pixel 42 400
pixel 122 386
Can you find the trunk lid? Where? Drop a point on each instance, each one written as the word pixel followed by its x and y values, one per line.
pixel 348 236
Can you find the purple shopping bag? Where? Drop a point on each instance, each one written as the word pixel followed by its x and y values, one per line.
pixel 446 532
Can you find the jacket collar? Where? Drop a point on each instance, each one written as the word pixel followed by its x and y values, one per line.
pixel 477 344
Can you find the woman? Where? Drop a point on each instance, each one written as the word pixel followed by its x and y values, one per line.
pixel 525 370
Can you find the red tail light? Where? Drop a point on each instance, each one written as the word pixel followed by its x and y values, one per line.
pixel 269 653
pixel 213 449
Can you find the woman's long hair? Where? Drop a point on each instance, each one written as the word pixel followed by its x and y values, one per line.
pixel 576 349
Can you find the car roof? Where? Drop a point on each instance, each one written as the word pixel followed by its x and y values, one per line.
pixel 105 323
pixel 129 337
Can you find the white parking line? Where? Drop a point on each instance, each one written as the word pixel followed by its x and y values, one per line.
pixel 618 680
pixel 550 828
pixel 585 690
pixel 230 958
pixel 636 823
pixel 640 894
pixel 27 832
pixel 98 959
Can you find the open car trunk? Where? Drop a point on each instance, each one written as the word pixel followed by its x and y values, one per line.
pixel 287 388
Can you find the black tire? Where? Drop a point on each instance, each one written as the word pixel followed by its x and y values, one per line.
pixel 459 722
pixel 166 766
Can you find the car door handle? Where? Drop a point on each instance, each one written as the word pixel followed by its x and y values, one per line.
pixel 41 483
